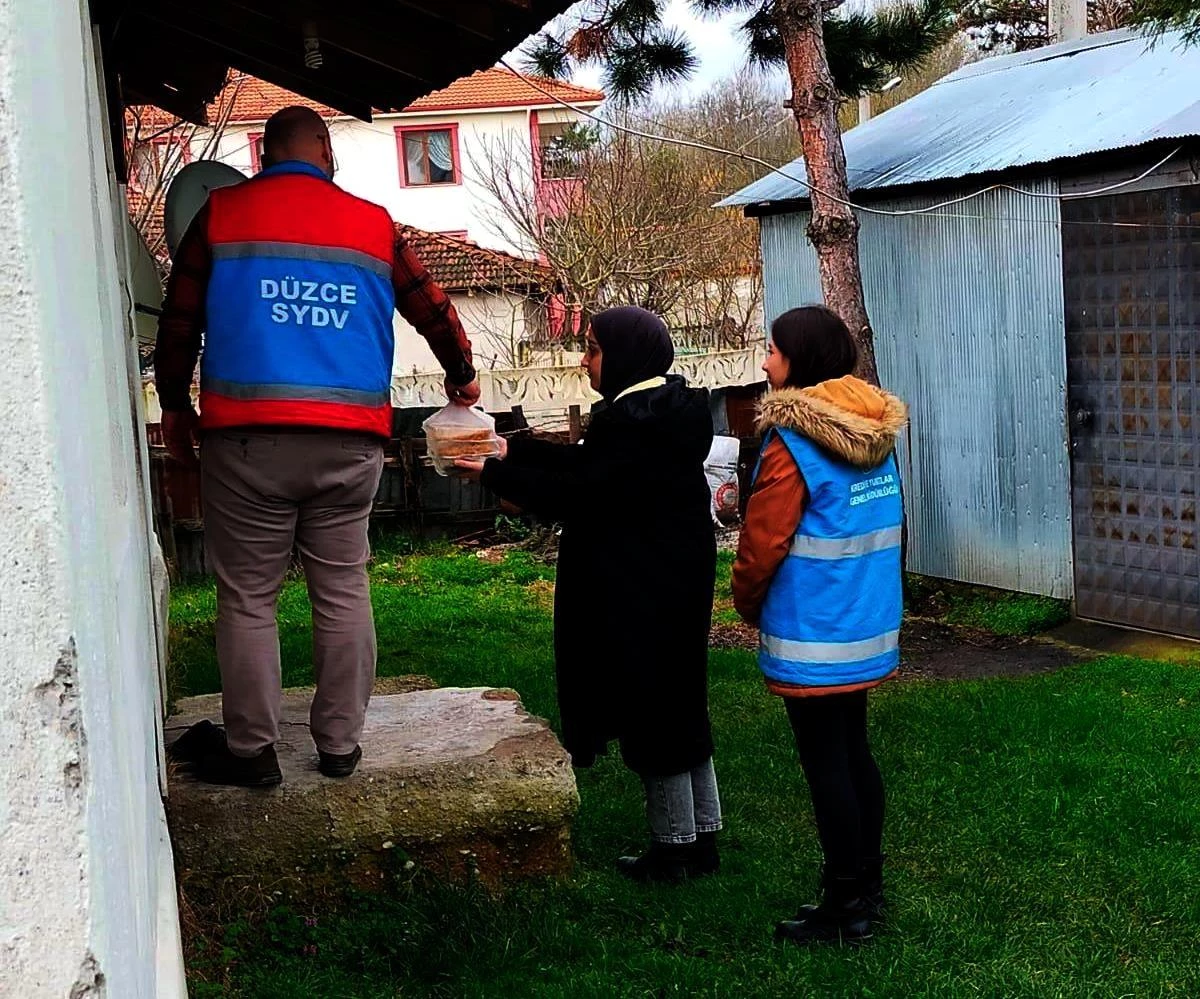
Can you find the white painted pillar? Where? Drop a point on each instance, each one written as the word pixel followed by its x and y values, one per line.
pixel 87 891
pixel 1068 20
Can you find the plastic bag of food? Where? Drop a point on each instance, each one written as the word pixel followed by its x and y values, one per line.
pixel 721 470
pixel 459 432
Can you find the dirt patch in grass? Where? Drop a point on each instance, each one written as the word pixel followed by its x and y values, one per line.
pixel 930 650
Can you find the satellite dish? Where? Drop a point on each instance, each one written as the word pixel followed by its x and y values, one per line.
pixel 188 193
pixel 146 284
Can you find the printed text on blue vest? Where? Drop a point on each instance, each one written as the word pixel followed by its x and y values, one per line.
pixel 869 490
pixel 308 303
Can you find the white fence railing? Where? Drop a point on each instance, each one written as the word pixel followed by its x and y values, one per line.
pixel 553 388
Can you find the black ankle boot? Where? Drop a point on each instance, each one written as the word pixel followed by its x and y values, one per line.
pixel 872 891
pixel 674 862
pixel 667 863
pixel 706 859
pixel 872 887
pixel 842 916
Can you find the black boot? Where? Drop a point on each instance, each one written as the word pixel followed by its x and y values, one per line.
pixel 842 916
pixel 706 859
pixel 671 863
pixel 666 863
pixel 872 889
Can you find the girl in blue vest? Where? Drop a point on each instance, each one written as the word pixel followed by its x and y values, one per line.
pixel 818 572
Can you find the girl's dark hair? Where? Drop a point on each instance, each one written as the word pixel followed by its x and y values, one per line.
pixel 816 343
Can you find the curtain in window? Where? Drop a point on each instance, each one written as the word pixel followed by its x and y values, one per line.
pixel 440 156
pixel 414 158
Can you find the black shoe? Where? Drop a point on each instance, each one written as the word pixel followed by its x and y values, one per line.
pixel 661 864
pixel 872 892
pixel 872 888
pixel 333 765
pixel 201 740
pixel 670 863
pixel 706 859
pixel 222 767
pixel 842 917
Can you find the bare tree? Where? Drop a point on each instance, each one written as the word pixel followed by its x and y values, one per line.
pixel 1019 25
pixel 829 57
pixel 157 146
pixel 507 323
pixel 632 221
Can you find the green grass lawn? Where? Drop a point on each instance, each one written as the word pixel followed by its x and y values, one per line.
pixel 1044 834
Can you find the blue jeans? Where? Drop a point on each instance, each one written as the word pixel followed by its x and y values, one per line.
pixel 683 805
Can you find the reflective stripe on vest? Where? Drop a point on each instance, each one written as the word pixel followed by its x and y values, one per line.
pixel 830 652
pixel 299 306
pixel 832 613
pixel 874 541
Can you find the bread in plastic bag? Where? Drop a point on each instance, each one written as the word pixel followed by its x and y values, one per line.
pixel 455 432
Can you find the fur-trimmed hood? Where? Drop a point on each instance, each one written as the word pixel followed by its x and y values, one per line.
pixel 848 417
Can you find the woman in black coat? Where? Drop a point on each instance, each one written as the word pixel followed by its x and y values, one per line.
pixel 636 568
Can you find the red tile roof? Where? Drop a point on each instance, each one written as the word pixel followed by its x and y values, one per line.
pixel 256 100
pixel 494 88
pixel 460 265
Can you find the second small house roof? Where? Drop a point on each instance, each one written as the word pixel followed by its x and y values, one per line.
pixel 1102 93
pixel 460 265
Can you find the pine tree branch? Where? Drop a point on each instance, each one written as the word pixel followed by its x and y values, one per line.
pixel 1160 16
pixel 864 49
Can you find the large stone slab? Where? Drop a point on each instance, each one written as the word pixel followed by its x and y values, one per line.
pixel 460 782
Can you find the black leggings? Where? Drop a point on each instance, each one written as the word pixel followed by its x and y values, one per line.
pixel 847 791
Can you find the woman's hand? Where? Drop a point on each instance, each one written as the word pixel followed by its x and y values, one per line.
pixel 471 470
pixel 468 468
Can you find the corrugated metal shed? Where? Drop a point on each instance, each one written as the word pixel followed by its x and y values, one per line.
pixel 1102 93
pixel 969 328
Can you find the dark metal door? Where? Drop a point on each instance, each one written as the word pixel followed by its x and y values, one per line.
pixel 1133 327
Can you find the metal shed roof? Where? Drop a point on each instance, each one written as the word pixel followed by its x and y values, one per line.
pixel 1102 93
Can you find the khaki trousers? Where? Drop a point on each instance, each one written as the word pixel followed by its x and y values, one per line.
pixel 264 492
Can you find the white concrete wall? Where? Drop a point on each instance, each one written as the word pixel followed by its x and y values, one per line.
pixel 86 885
pixel 494 321
pixel 369 166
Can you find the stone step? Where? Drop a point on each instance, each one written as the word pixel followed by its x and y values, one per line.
pixel 461 782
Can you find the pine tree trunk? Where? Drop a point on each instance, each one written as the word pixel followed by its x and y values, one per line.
pixel 833 230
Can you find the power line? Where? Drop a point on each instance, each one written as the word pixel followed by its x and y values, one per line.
pixel 932 209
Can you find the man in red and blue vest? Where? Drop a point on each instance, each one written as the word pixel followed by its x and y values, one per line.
pixel 292 284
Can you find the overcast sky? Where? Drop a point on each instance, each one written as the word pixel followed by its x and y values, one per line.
pixel 718 46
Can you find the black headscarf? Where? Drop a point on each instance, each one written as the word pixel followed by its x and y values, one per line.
pixel 636 347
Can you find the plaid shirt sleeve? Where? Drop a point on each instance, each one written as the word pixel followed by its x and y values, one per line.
pixel 181 325
pixel 428 309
